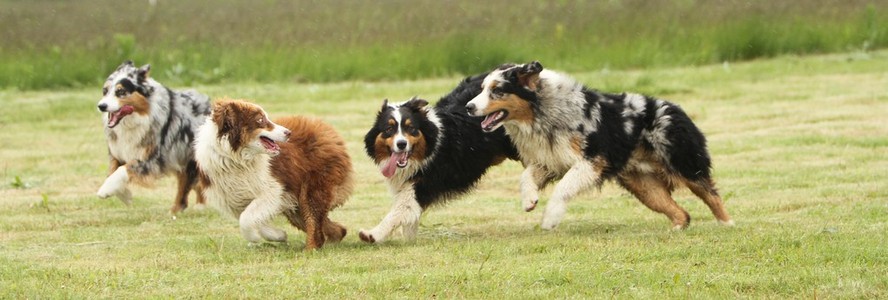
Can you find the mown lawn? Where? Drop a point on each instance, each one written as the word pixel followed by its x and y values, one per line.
pixel 799 147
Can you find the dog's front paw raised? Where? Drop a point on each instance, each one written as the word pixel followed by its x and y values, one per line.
pixel 115 185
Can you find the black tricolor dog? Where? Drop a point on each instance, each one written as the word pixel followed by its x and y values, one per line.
pixel 564 130
pixel 430 154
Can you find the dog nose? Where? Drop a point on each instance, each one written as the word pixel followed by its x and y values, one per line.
pixel 470 108
pixel 103 107
pixel 401 145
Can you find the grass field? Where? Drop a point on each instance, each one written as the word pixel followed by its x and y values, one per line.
pixel 799 147
pixel 58 43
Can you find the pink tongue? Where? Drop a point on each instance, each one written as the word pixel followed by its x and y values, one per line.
pixel 389 169
pixel 489 119
pixel 116 116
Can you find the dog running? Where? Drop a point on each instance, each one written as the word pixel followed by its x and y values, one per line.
pixel 564 130
pixel 429 155
pixel 252 168
pixel 149 129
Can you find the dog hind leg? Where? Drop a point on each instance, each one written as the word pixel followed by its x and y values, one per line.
pixel 705 189
pixel 655 193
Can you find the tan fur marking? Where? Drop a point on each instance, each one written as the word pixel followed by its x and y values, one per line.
pixel 137 101
pixel 519 109
pixel 576 144
pixel 654 192
pixel 381 148
pixel 417 146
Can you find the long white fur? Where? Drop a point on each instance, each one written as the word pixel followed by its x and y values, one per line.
pixel 242 184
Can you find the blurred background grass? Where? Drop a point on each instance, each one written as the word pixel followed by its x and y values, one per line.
pixel 57 44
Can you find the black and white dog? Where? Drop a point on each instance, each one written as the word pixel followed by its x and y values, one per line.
pixel 149 129
pixel 564 130
pixel 430 154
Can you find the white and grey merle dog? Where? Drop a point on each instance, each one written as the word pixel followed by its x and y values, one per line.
pixel 565 130
pixel 149 129
pixel 430 155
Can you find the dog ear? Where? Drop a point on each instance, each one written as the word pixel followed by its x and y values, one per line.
pixel 125 64
pixel 529 75
pixel 385 103
pixel 416 104
pixel 225 117
pixel 142 73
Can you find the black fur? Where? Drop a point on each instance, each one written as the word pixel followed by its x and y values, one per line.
pixel 464 152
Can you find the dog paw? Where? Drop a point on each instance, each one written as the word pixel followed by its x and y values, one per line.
pixel 549 224
pixel 272 234
pixel 366 237
pixel 727 223
pixel 251 235
pixel 529 205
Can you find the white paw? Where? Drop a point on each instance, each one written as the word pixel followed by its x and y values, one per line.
pixel 727 223
pixel 554 213
pixel 115 184
pixel 529 203
pixel 273 234
pixel 369 237
pixel 251 234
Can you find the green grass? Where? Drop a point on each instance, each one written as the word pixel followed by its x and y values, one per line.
pixel 54 44
pixel 799 147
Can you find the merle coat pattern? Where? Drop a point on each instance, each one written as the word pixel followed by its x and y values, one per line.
pixel 564 130
pixel 149 129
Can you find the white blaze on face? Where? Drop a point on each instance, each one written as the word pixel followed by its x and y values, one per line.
pixel 278 134
pixel 109 99
pixel 399 137
pixel 483 99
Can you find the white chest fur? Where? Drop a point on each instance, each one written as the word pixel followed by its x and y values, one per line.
pixel 129 136
pixel 555 155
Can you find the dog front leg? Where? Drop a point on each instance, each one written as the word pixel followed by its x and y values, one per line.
pixel 405 212
pixel 533 179
pixel 255 218
pixel 115 185
pixel 580 177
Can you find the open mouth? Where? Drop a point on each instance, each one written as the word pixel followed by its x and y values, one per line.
pixel 115 117
pixel 270 146
pixel 494 120
pixel 397 160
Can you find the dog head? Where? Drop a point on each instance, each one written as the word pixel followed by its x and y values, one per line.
pixel 402 132
pixel 507 94
pixel 126 91
pixel 245 127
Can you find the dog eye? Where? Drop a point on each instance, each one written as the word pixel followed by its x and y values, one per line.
pixel 120 92
pixel 260 121
pixel 104 91
pixel 497 92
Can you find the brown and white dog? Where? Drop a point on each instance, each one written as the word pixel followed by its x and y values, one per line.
pixel 149 129
pixel 254 169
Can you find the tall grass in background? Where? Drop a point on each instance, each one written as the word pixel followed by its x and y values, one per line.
pixel 53 44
